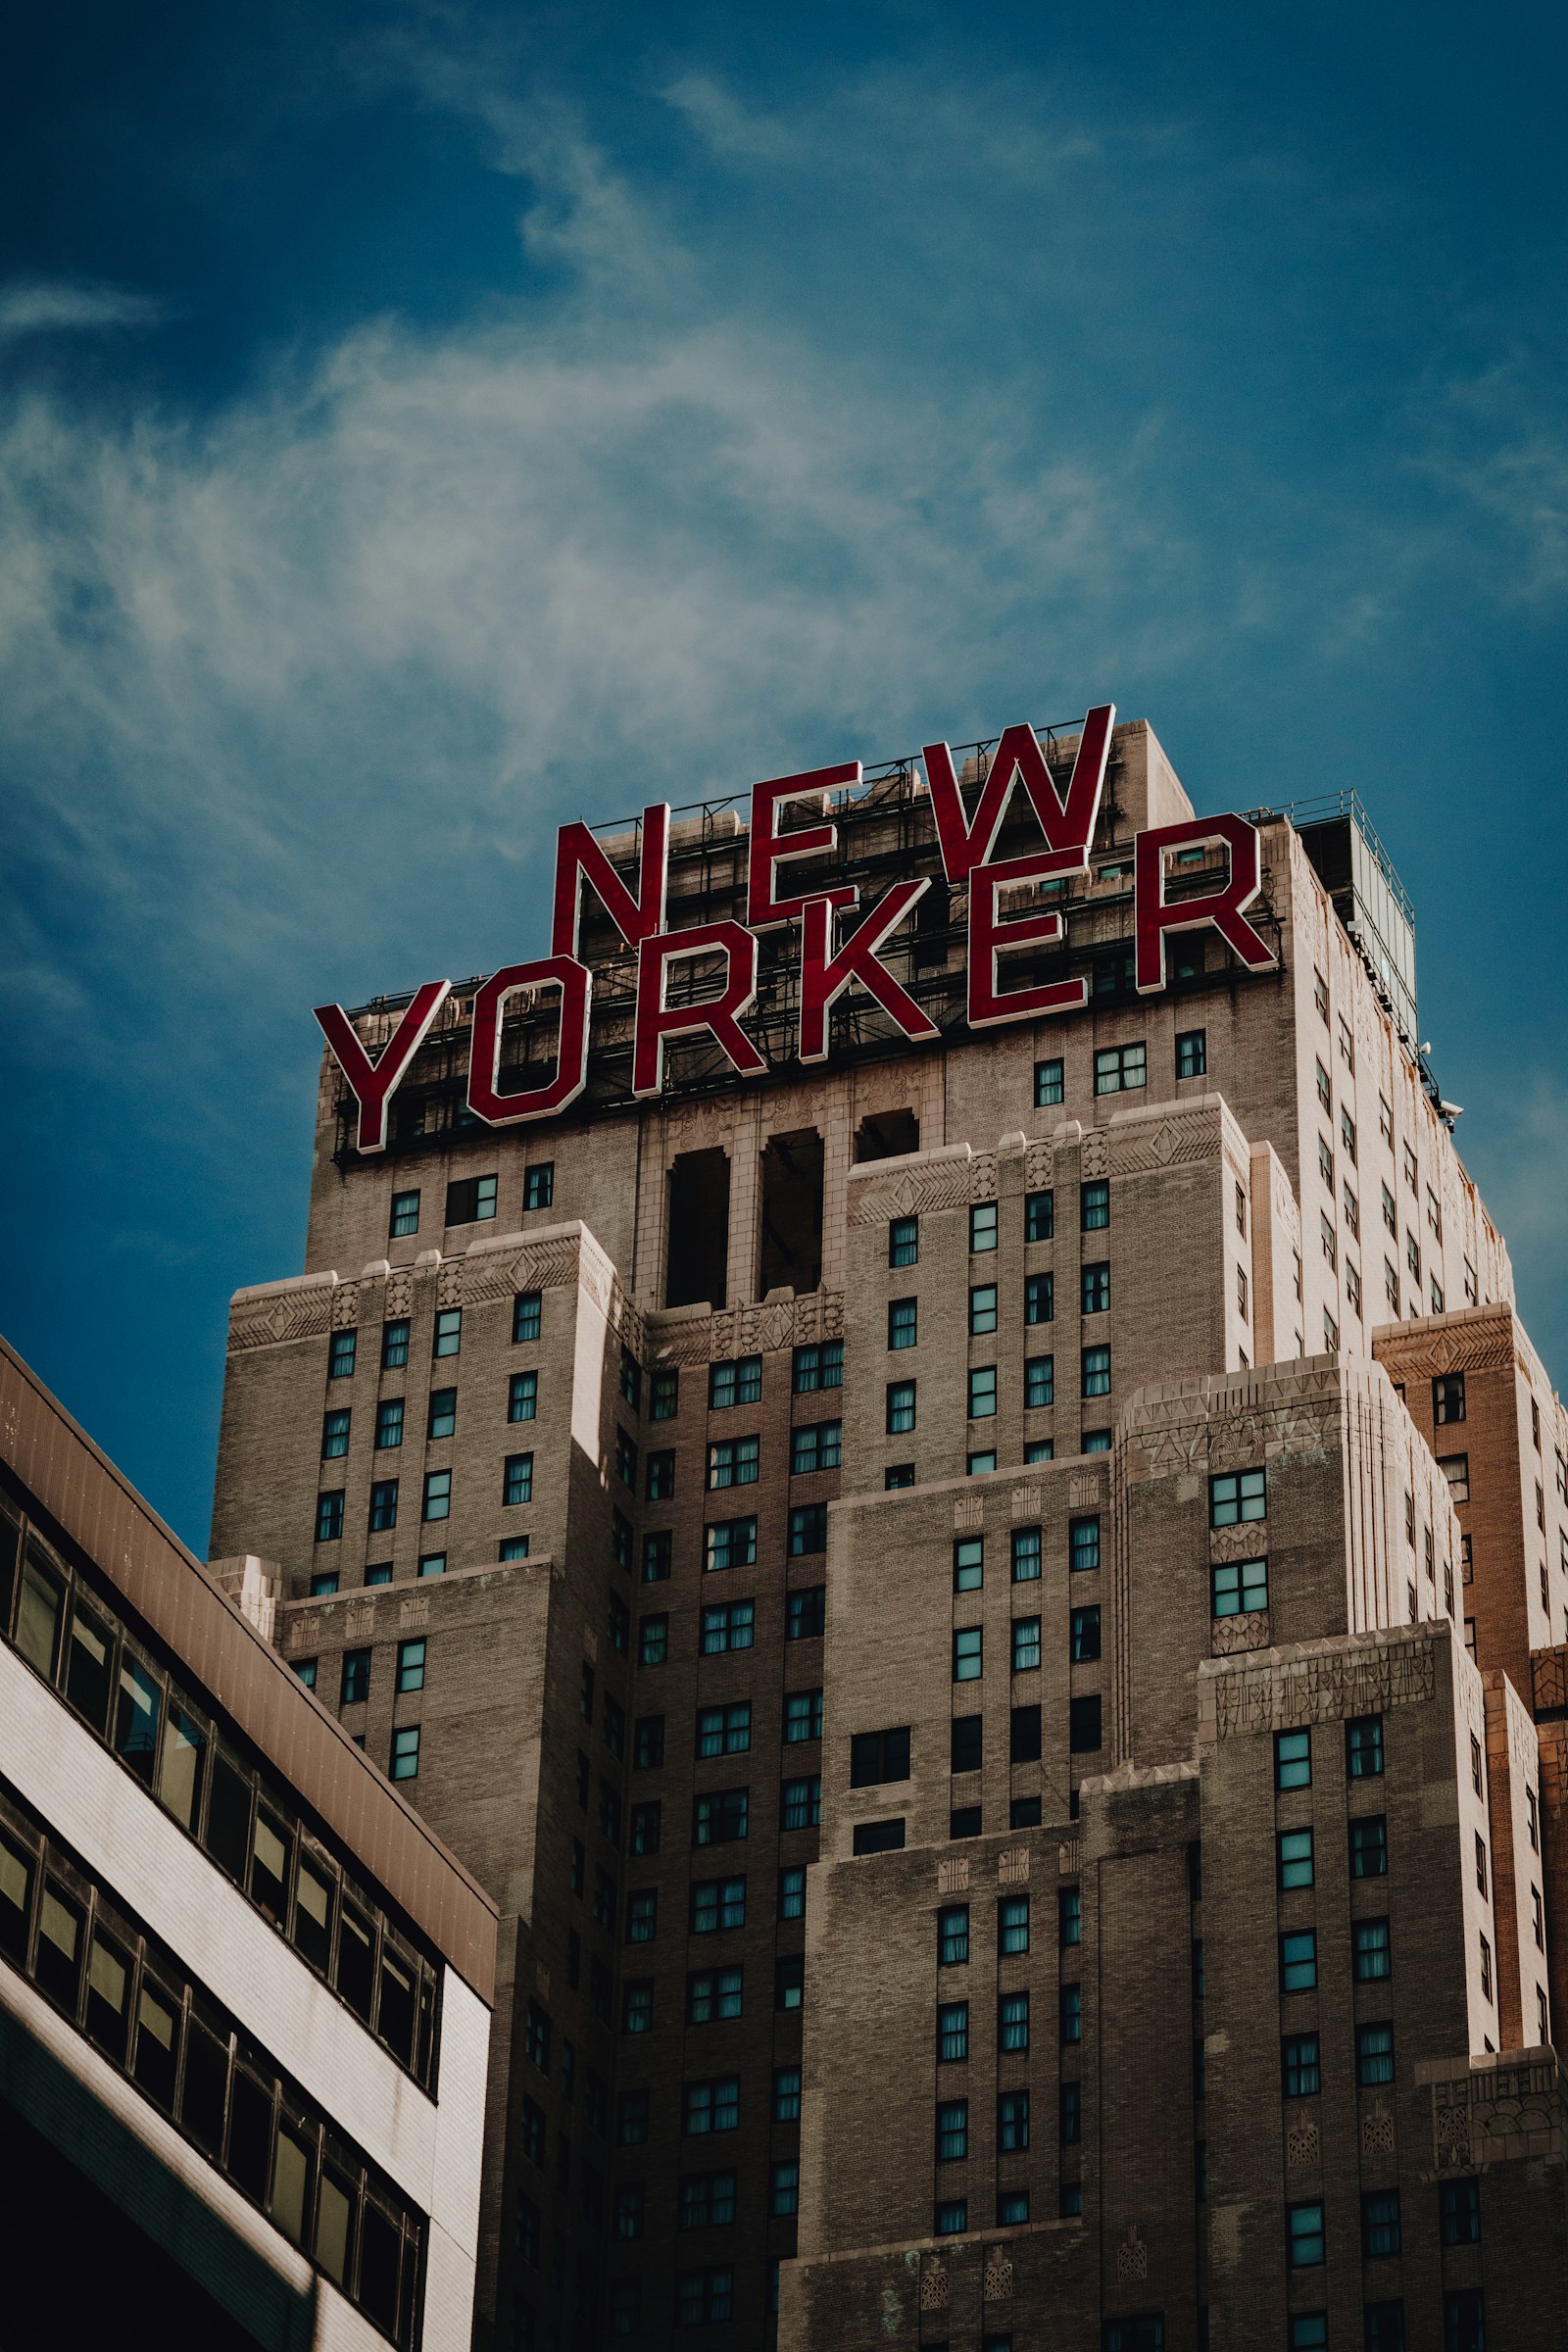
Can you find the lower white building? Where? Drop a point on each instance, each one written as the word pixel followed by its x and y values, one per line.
pixel 244 1994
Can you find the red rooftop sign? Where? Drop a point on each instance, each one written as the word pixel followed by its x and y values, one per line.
pixel 840 946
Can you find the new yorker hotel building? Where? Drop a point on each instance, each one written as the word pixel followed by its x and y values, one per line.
pixel 974 1556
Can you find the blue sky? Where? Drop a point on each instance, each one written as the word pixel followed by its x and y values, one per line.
pixel 418 425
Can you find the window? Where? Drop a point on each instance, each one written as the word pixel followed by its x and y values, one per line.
pixel 1352 1213
pixel 704 2297
pixel 953 1935
pixel 663 1394
pixel 784 2195
pixel 448 1339
pixel 1239 1586
pixel 1039 1216
pixel 336 1434
pixel 1370 1956
pixel 899 1407
pixel 952 2130
pixel 1085 1635
pixel 1299 1960
pixel 967 1654
pixel 806 1613
pixel 820 1366
pixel 384 1504
pixel 1369 1847
pixel 626 1458
pixel 808 1529
pixel 304 1669
pixel 526 1316
pixel 1084 1734
pixel 406 1753
pixel 789 1981
pixel 1459 2212
pixel 1069 2113
pixel 1097 1372
pixel 1026 1642
pixel 1048 1083
pixel 737 1383
pixel 341 1355
pixel 1015 1924
pixel 322 1584
pixel 539 1186
pixel 1410 1176
pixel 1024 1735
pixel 1237 1497
pixel 517 1485
pixel 1293 1858
pixel 953 2031
pixel 904 1323
pixel 631 2119
pixel 354 1680
pixel 1025 1555
pixel 729 1544
pixel 1380 2223
pixel 1093 1206
pixel 1374 2055
pixel 732 1463
pixel 982 1391
pixel 724 1730
pixel 720 1817
pixel 1012 2116
pixel 1039 1298
pixel 1363 1747
pixel 951 2218
pixel 814 1446
pixel 1083 1544
pixel 659 1483
pixel 800 1803
pixel 792 1892
pixel 879 1756
pixel 802 1716
pixel 642 1916
pixel 1304 2236
pixel 713 1997
pixel 968 1563
pixel 1069 1916
pixel 1475 1764
pixel 727 1625
pixel 1293 1759
pixel 982 1308
pixel 1300 2076
pixel 965 1743
pixel 1323 1094
pixel 878 1836
pixel 329 1516
pixel 471 1200
pixel 657 1550
pixel 646 1822
pixel 1455 1468
pixel 1119 1068
pixel 711 2107
pixel 1486 1967
pixel 648 1742
pixel 410 1665
pixel 982 1227
pixel 717 1904
pixel 1095 1289
pixel 1192 1054
pixel 904 1241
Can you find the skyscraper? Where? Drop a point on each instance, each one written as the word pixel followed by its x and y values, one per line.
pixel 960 1529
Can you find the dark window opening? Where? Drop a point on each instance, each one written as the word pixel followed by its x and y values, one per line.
pixel 887 1136
pixel 698 1252
pixel 791 1212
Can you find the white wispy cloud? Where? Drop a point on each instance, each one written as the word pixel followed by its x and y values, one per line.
pixel 56 306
